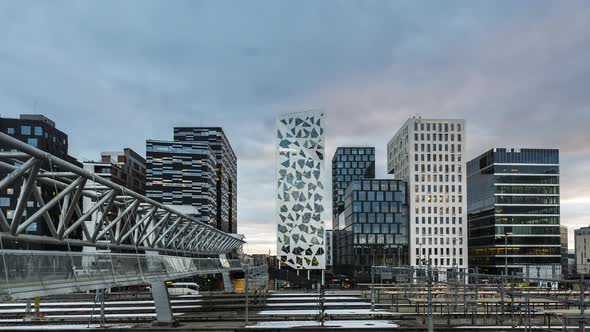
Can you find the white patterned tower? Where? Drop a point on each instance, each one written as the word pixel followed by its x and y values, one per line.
pixel 300 190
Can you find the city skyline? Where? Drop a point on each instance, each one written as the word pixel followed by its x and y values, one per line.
pixel 507 88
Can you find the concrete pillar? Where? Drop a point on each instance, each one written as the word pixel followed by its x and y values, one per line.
pixel 227 286
pixel 161 298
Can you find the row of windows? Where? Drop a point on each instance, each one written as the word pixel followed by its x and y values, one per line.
pixel 376 228
pixel 392 207
pixel 454 241
pixel 442 188
pixel 443 220
pixel 441 137
pixel 379 196
pixel 447 168
pixel 437 126
pixel 526 179
pixel 439 198
pixel 426 147
pixel 436 210
pixel 348 151
pixel 379 239
pixel 517 230
pixel 526 169
pixel 435 261
pixel 357 158
pixel 515 240
pixel 509 220
pixel 432 168
pixel 443 230
pixel 527 200
pixel 446 252
pixel 502 251
pixel 547 190
pixel 36 131
pixel 377 217
pixel 383 185
pixel 350 171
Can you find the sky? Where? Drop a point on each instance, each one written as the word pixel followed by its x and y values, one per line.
pixel 112 74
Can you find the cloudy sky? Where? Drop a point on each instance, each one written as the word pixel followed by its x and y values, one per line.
pixel 115 73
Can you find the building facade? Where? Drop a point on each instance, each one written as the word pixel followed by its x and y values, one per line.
pixel 513 203
pixel 582 251
pixel 563 230
pixel 40 132
pixel 300 157
pixel 226 179
pixel 374 226
pixel 130 168
pixel 429 155
pixel 348 164
pixel 183 174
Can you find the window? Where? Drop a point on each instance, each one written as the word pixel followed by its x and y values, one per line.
pixel 10 131
pixel 4 201
pixel 32 142
pixel 25 130
pixel 38 131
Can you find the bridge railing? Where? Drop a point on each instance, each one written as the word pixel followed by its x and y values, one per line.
pixel 25 274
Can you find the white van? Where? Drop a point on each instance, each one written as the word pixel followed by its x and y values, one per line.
pixel 183 288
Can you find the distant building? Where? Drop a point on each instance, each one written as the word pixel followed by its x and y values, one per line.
pixel 300 154
pixel 374 227
pixel 564 249
pixel 582 245
pixel 348 164
pixel 131 167
pixel 226 168
pixel 183 174
pixel 40 132
pixel 513 202
pixel 429 154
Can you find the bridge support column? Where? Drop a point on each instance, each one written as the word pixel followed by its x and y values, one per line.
pixel 161 298
pixel 227 286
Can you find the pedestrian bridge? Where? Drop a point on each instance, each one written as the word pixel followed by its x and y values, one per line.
pixel 27 273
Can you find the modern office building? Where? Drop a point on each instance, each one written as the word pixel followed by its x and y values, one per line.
pixel 582 251
pixel 348 164
pixel 300 155
pixel 40 132
pixel 513 204
pixel 429 155
pixel 130 167
pixel 183 174
pixel 226 171
pixel 374 226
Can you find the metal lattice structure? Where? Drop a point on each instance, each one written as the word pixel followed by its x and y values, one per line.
pixel 117 219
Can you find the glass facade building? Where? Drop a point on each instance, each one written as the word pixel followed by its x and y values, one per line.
pixel 373 226
pixel 183 174
pixel 348 164
pixel 226 170
pixel 514 212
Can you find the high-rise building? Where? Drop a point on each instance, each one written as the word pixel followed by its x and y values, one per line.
pixel 226 179
pixel 429 155
pixel 40 132
pixel 373 227
pixel 130 166
pixel 300 190
pixel 513 203
pixel 183 174
pixel 582 250
pixel 348 164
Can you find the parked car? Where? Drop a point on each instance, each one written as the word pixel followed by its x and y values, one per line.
pixel 183 288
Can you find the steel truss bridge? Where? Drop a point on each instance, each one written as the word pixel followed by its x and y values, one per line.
pixel 116 238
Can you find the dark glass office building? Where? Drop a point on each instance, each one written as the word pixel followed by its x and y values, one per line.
pixel 226 179
pixel 513 212
pixel 183 174
pixel 374 226
pixel 348 164
pixel 40 132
